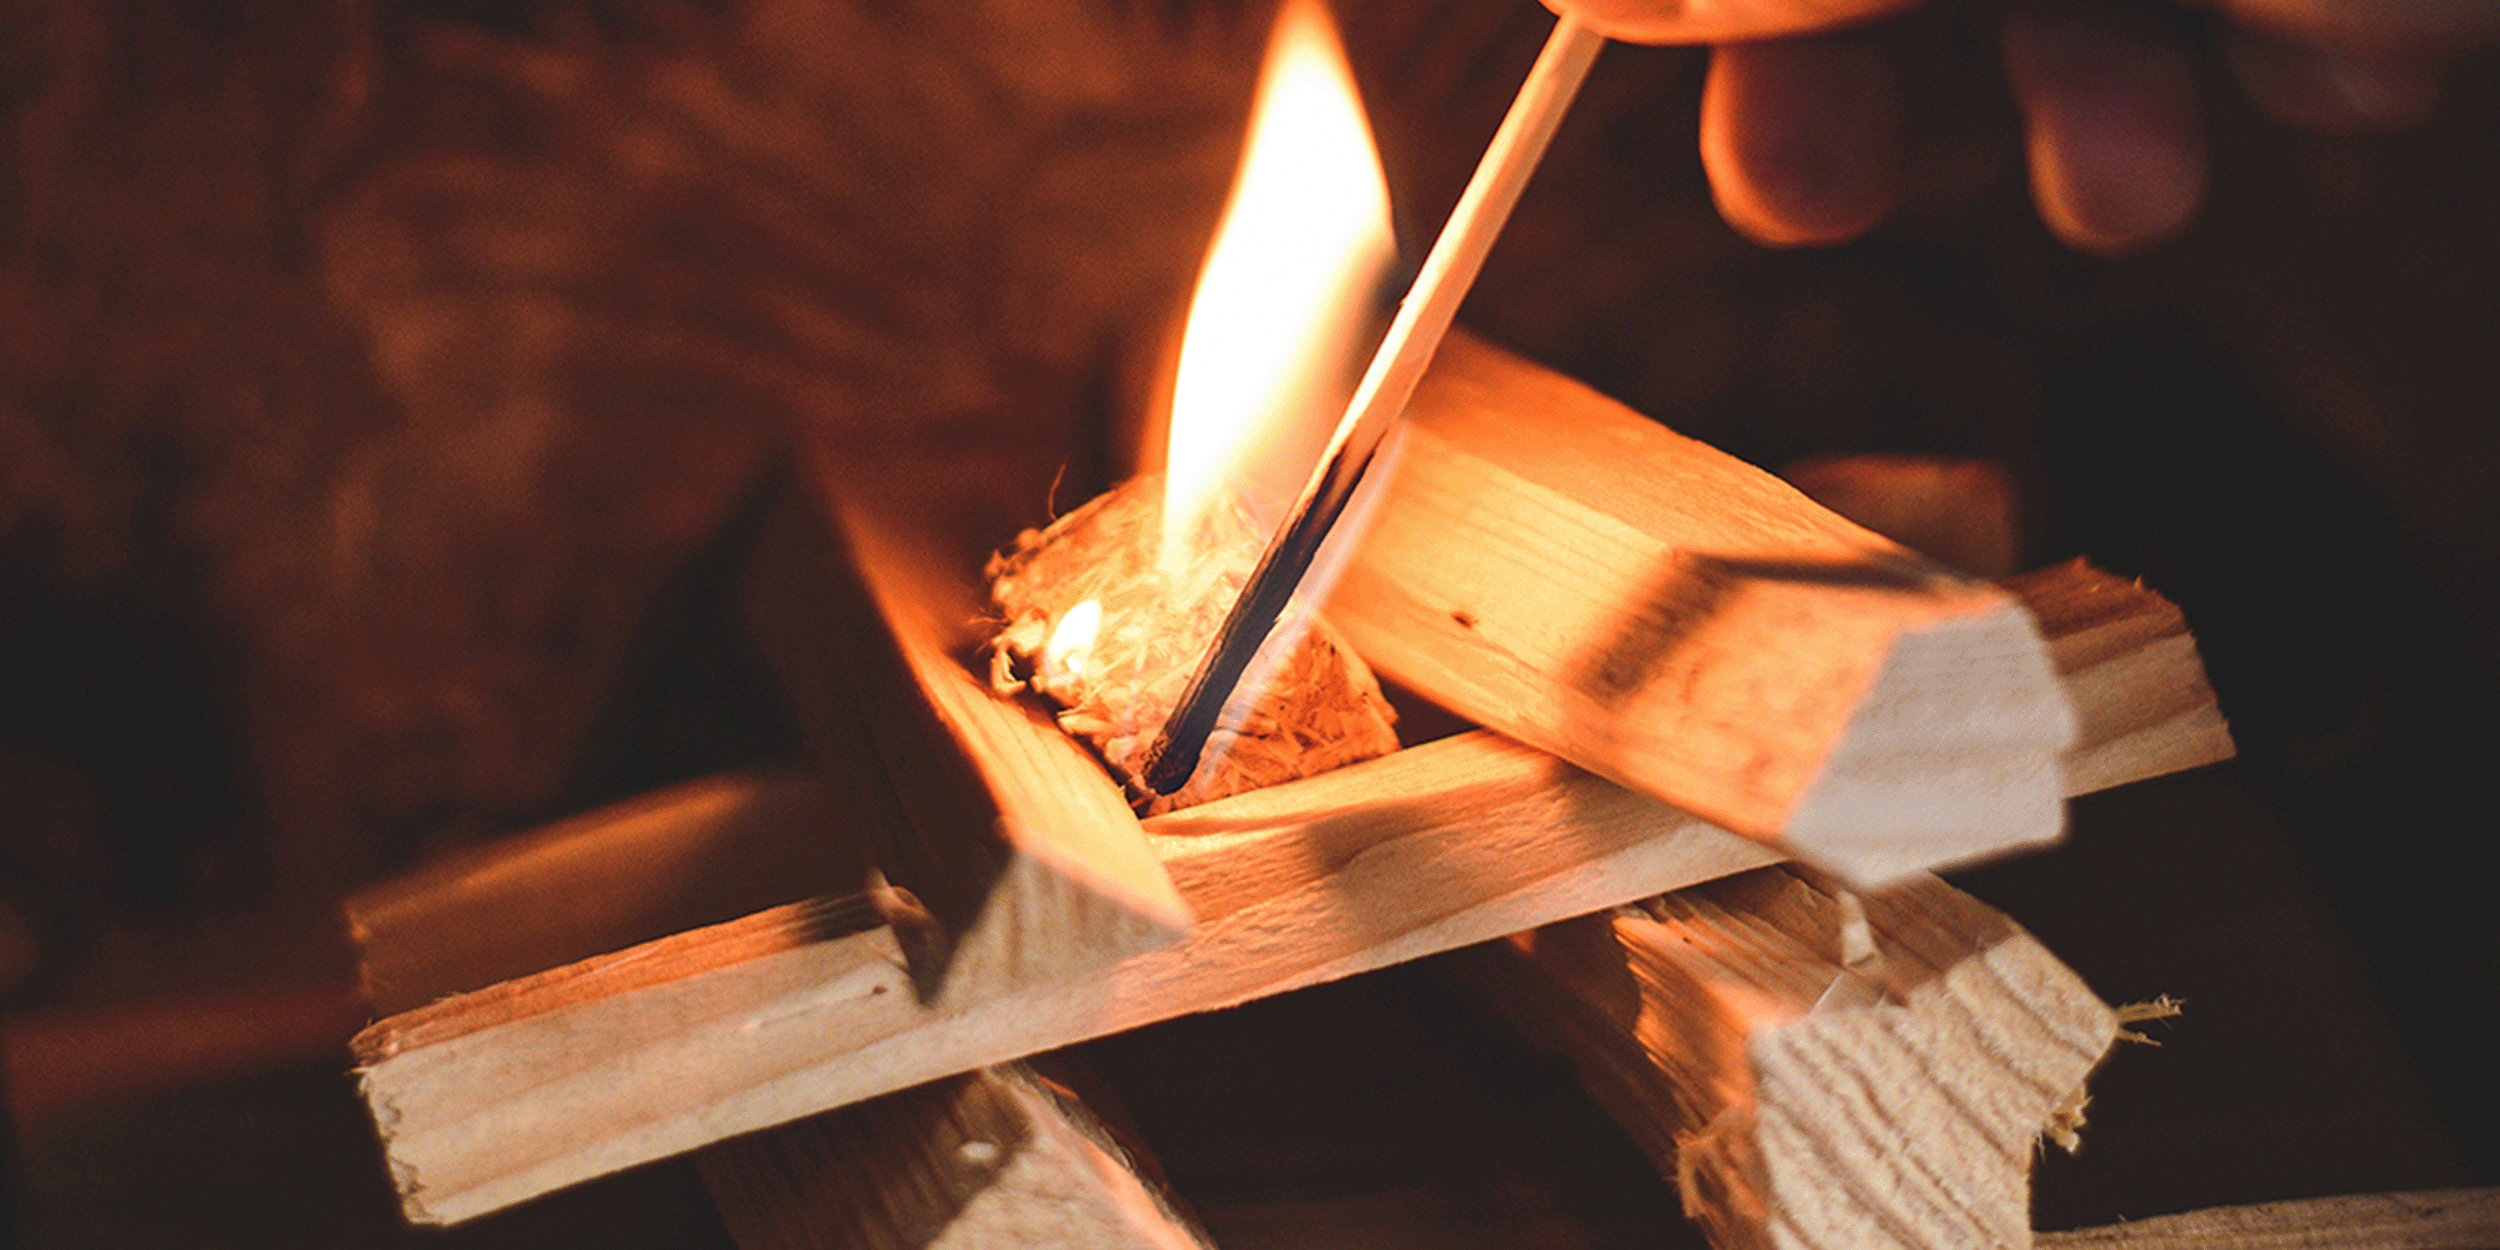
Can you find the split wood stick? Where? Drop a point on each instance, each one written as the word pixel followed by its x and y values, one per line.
pixel 493 1098
pixel 987 1160
pixel 2439 1219
pixel 1023 858
pixel 995 1157
pixel 1551 564
pixel 1808 1073
pixel 692 855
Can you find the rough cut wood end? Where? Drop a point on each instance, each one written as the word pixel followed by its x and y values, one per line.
pixel 1807 1077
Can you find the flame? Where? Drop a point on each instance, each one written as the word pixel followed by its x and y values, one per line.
pixel 1270 353
pixel 1071 638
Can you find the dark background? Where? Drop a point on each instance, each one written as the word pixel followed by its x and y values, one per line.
pixel 372 376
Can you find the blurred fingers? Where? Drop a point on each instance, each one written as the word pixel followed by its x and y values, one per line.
pixel 2110 119
pixel 1721 21
pixel 1802 138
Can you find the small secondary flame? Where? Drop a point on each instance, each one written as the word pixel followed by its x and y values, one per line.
pixel 1071 638
pixel 1271 351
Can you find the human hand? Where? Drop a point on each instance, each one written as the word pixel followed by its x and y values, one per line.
pixel 1802 128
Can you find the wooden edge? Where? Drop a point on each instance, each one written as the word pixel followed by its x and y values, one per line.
pixel 1802 1093
pixel 992 1158
pixel 2439 1219
pixel 697 854
pixel 1667 616
pixel 649 966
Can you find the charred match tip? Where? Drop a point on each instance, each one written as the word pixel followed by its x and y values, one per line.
pixel 1174 760
pixel 1183 739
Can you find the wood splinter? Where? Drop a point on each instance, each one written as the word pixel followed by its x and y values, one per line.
pixel 1101 623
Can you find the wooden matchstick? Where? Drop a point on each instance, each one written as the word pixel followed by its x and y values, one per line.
pixel 1414 335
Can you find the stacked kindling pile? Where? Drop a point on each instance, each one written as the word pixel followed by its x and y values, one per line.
pixel 1688 675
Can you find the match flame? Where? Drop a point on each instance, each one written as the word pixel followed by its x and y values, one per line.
pixel 1283 308
pixel 1064 654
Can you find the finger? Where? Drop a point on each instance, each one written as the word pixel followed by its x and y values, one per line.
pixel 2339 91
pixel 2108 97
pixel 1721 21
pixel 1802 138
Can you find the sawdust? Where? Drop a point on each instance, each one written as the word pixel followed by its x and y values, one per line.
pixel 1319 708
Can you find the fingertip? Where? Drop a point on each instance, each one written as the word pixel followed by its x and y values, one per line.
pixel 1802 138
pixel 2110 117
pixel 2113 193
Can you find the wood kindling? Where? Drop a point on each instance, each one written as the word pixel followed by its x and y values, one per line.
pixel 1550 564
pixel 489 1099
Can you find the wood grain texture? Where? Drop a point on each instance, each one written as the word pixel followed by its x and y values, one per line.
pixel 1551 564
pixel 2445 1219
pixel 2131 669
pixel 1810 1074
pixel 1023 858
pixel 490 1098
pixel 696 854
pixel 978 1159
pixel 988 1159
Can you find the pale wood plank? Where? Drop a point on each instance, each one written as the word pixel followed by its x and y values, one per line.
pixel 1551 564
pixel 487 1099
pixel 992 1157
